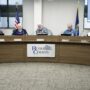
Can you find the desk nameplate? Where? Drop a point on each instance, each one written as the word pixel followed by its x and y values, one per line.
pixel 40 40
pixel 65 40
pixel 17 39
pixel 2 40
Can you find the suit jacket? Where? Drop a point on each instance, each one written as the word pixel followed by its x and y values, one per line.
pixel 17 32
pixel 42 31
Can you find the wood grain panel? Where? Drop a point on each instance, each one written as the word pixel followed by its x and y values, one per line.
pixel 12 52
pixel 73 53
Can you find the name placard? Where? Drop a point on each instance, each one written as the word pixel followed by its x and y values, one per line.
pixel 40 50
pixel 2 40
pixel 17 39
pixel 40 39
pixel 65 40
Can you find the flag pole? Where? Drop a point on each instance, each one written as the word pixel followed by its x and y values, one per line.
pixel 16 4
pixel 78 16
pixel 78 3
pixel 77 19
pixel 17 20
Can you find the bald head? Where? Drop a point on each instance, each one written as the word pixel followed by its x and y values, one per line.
pixel 19 26
pixel 69 26
pixel 40 26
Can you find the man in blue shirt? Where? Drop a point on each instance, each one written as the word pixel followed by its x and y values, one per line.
pixel 70 31
pixel 19 30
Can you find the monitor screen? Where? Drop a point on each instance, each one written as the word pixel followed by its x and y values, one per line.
pixel 65 34
pixel 42 34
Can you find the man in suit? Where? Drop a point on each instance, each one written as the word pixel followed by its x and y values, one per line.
pixel 70 30
pixel 19 30
pixel 41 30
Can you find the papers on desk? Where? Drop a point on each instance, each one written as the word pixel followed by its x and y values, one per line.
pixel 84 41
pixel 2 40
pixel 65 40
pixel 18 39
pixel 40 39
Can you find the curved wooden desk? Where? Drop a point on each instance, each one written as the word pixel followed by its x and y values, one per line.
pixel 67 49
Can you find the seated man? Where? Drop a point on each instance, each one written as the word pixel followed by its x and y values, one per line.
pixel 1 33
pixel 70 31
pixel 19 30
pixel 41 30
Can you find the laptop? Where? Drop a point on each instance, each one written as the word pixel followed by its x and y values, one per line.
pixel 42 34
pixel 65 34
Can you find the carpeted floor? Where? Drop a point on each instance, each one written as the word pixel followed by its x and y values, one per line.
pixel 44 76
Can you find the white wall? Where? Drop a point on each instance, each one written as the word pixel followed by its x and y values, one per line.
pixel 7 31
pixel 56 14
pixel 28 16
pixel 37 13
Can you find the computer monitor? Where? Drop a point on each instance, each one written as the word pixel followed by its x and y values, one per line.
pixel 65 34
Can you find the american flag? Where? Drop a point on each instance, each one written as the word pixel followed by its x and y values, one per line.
pixel 77 23
pixel 17 19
